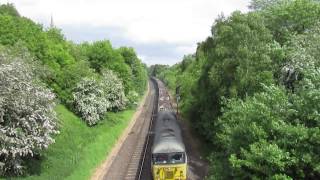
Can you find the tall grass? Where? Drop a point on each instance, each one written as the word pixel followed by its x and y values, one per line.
pixel 79 149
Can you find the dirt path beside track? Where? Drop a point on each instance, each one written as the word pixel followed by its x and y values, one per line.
pixel 198 166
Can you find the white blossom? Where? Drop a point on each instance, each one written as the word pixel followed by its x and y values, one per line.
pixel 89 100
pixel 93 98
pixel 27 117
pixel 114 91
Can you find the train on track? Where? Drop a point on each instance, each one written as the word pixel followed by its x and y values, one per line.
pixel 169 157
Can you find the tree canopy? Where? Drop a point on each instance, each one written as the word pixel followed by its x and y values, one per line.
pixel 251 90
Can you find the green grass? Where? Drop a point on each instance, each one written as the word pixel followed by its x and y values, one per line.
pixel 79 149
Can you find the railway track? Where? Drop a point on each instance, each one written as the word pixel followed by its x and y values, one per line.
pixel 142 153
pixel 132 160
pixel 144 172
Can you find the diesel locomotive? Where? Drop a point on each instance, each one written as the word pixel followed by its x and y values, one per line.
pixel 169 158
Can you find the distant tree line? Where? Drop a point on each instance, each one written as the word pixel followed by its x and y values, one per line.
pixel 39 68
pixel 252 91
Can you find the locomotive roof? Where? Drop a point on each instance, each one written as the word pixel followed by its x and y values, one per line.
pixel 167 137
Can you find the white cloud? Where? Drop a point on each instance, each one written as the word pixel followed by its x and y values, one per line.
pixel 182 22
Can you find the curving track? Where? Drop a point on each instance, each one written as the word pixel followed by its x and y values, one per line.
pixel 133 161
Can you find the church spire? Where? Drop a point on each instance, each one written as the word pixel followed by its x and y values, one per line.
pixel 51 22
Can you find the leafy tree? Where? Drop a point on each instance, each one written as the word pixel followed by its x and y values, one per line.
pixel 14 29
pixel 238 60
pixel 69 77
pixel 138 69
pixel 290 18
pixel 252 89
pixel 276 137
pixel 101 56
pixel 8 9
pixel 156 69
pixel 265 4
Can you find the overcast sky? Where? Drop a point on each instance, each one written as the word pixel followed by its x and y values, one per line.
pixel 161 31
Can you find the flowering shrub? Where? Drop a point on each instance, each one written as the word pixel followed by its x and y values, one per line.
pixel 27 117
pixel 114 91
pixel 90 101
pixel 92 97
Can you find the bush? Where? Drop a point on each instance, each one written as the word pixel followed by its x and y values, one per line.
pixel 133 98
pixel 27 117
pixel 89 100
pixel 92 97
pixel 114 91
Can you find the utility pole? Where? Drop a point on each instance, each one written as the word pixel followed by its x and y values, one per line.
pixel 178 97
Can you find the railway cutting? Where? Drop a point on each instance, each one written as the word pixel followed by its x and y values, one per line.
pixel 126 163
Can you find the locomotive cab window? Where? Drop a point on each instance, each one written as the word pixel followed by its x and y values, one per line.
pixel 172 158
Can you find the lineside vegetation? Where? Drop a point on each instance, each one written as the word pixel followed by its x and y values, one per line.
pixel 39 68
pixel 252 90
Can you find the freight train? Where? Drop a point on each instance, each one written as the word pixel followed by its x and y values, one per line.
pixel 169 158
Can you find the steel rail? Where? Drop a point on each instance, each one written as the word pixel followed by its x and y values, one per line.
pixel 154 112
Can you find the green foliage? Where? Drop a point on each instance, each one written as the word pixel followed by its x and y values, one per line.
pixel 276 137
pixel 255 159
pixel 62 67
pixel 237 60
pixel 8 9
pixel 156 69
pixel 139 72
pixel 101 56
pixel 251 90
pixel 68 63
pixel 14 29
pixel 290 18
pixel 266 4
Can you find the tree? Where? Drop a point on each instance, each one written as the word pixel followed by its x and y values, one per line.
pixel 8 9
pixel 264 4
pixel 252 90
pixel 27 117
pixel 138 70
pixel 290 18
pixel 102 56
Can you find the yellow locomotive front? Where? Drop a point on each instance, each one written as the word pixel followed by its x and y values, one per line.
pixel 171 166
pixel 169 158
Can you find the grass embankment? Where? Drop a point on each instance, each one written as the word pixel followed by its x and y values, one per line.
pixel 79 149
